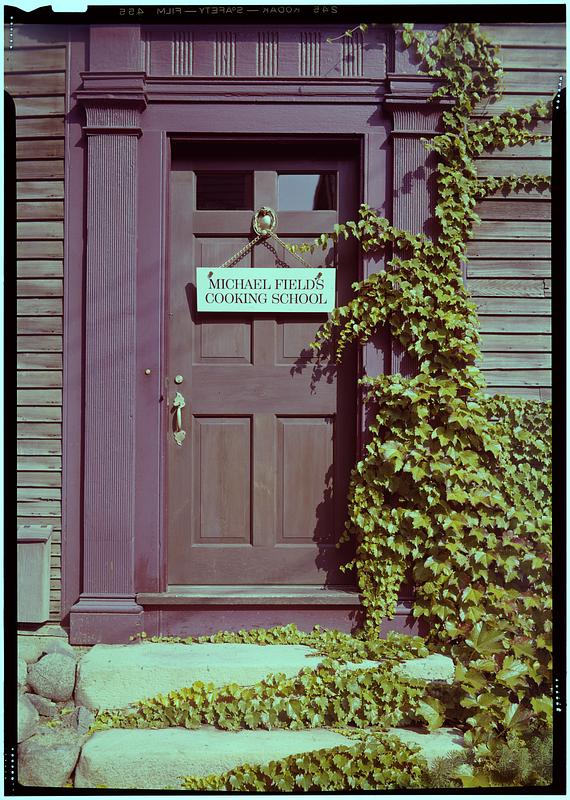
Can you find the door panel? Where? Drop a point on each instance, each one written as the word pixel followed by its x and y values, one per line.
pixel 221 493
pixel 305 447
pixel 257 492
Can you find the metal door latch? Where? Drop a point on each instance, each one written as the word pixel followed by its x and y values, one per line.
pixel 178 404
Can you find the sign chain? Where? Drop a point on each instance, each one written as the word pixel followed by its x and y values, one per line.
pixel 233 260
pixel 298 257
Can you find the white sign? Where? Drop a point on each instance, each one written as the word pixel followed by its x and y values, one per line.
pixel 273 290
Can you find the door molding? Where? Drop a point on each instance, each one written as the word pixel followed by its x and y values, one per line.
pixel 122 113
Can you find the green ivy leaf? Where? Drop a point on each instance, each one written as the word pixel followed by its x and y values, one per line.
pixel 432 710
pixel 486 641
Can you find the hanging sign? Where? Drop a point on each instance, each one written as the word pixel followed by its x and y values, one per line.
pixel 233 290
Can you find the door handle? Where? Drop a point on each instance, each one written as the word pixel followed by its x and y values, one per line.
pixel 178 404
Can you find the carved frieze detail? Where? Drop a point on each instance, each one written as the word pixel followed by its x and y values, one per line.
pixel 182 53
pixel 145 51
pixel 263 53
pixel 310 54
pixel 225 54
pixel 267 54
pixel 352 59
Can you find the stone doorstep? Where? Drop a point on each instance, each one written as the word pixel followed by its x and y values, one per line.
pixel 158 759
pixel 115 676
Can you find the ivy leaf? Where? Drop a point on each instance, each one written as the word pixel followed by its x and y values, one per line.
pixel 432 710
pixel 511 672
pixel 486 641
pixel 543 705
pixel 516 716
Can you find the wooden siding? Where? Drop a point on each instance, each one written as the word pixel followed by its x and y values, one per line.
pixel 508 272
pixel 35 77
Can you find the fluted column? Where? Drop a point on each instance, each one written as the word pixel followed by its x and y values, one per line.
pixel 107 602
pixel 414 169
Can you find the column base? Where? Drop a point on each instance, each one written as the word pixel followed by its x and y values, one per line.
pixel 108 619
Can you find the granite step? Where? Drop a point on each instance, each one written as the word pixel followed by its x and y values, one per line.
pixel 115 676
pixel 159 759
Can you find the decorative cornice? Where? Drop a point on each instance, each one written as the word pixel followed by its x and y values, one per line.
pixel 410 90
pixel 276 90
pixel 113 89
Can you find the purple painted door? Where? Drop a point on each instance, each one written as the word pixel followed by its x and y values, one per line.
pixel 257 491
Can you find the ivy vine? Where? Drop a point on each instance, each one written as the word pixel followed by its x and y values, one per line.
pixel 377 762
pixel 453 485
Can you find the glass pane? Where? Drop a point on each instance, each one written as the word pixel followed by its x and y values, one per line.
pixel 307 192
pixel 224 191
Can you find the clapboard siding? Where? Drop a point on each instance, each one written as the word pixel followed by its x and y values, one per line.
pixel 40 479
pixel 42 248
pixel 39 190
pixel 515 342
pixel 40 127
pixel 40 209
pixel 507 248
pixel 490 323
pixel 509 267
pixel 35 77
pixel 501 167
pixel 38 379
pixel 28 84
pixel 39 269
pixel 40 230
pixel 40 148
pixel 33 170
pixel 37 344
pixel 44 360
pixel 46 287
pixel 481 287
pixel 517 209
pixel 524 58
pixel 35 306
pixel 39 325
pixel 39 430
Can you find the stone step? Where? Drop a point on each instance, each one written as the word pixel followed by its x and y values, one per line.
pixel 115 676
pixel 159 759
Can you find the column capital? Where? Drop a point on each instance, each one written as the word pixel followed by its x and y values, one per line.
pixel 409 102
pixel 113 102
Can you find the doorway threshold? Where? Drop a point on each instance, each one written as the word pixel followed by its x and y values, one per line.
pixel 347 596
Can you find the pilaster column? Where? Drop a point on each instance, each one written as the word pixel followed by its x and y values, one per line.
pixel 107 602
pixel 414 169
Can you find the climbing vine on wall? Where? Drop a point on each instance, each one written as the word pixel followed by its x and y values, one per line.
pixel 453 485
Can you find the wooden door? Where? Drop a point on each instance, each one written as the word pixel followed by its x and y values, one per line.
pixel 257 492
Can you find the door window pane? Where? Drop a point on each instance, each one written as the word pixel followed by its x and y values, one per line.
pixel 307 191
pixel 224 191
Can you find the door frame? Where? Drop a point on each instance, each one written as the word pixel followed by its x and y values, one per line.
pixel 114 104
pixel 351 157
